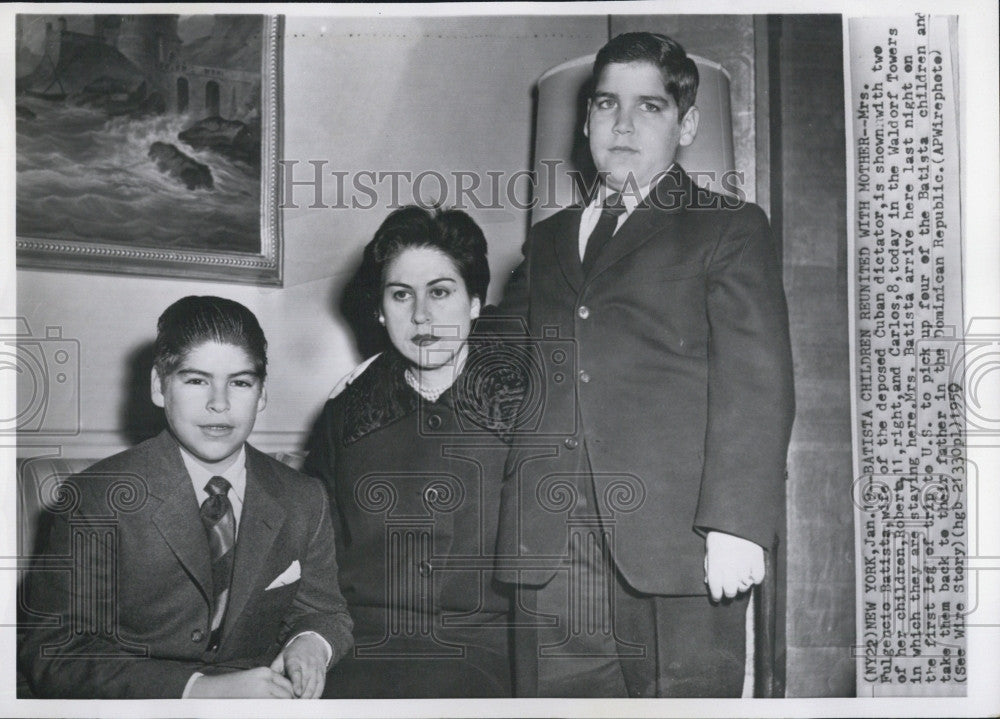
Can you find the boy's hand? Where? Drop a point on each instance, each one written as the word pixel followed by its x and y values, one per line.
pixel 258 683
pixel 732 564
pixel 303 660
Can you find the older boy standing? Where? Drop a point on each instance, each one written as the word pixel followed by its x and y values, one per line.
pixel 675 427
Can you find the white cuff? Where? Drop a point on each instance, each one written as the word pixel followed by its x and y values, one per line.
pixel 326 644
pixel 187 687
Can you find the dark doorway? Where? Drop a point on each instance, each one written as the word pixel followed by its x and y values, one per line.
pixel 211 98
pixel 182 94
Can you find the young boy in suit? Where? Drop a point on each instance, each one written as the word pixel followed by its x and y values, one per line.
pixel 202 567
pixel 675 427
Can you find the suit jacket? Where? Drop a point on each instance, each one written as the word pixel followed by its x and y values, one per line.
pixel 126 612
pixel 677 399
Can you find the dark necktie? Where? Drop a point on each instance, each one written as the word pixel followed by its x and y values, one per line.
pixel 605 228
pixel 220 524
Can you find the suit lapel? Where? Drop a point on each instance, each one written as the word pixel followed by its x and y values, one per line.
pixel 566 240
pixel 176 516
pixel 260 522
pixel 654 216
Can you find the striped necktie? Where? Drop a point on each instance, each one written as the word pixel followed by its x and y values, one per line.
pixel 220 524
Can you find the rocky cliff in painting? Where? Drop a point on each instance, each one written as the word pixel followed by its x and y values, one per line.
pixel 231 138
pixel 175 163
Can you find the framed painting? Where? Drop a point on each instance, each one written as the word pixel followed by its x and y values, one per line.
pixel 147 145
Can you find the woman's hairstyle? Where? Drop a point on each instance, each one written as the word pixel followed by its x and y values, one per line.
pixel 680 74
pixel 451 232
pixel 192 321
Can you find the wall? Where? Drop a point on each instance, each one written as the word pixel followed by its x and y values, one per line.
pixel 402 94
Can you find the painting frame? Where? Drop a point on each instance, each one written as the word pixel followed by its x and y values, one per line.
pixel 264 267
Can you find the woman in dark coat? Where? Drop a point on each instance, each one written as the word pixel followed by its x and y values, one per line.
pixel 412 452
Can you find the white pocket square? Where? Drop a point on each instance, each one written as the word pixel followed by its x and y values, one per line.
pixel 292 574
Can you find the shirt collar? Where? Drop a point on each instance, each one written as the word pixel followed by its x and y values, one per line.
pixel 629 198
pixel 236 475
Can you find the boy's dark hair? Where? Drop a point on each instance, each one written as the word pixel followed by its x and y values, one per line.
pixel 451 232
pixel 192 321
pixel 680 74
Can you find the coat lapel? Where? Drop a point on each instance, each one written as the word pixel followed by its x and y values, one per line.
pixel 260 522
pixel 176 515
pixel 654 216
pixel 565 236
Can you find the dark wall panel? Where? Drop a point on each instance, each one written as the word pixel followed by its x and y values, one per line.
pixel 812 186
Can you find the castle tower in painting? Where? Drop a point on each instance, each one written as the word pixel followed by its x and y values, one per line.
pixel 149 41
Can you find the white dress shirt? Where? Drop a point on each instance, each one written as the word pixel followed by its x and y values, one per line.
pixel 592 212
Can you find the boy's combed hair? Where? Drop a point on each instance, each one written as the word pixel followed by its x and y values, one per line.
pixel 680 74
pixel 192 321
pixel 451 232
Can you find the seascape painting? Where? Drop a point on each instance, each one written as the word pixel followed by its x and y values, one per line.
pixel 145 144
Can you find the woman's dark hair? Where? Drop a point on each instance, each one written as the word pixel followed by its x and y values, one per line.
pixel 451 232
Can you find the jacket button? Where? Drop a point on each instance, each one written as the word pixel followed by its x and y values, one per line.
pixel 434 421
pixel 571 443
pixel 197 635
pixel 583 312
pixel 584 377
pixel 424 569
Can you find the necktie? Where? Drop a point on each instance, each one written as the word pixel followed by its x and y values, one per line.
pixel 220 525
pixel 606 226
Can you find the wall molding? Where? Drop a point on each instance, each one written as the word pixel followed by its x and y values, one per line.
pixel 104 443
